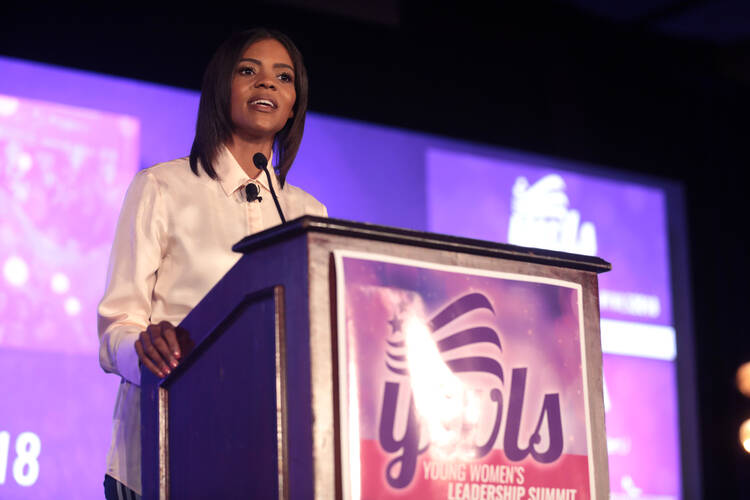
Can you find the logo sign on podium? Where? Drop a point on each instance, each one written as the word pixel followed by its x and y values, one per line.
pixel 457 383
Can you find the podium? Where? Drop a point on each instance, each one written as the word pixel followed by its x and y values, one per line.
pixel 268 403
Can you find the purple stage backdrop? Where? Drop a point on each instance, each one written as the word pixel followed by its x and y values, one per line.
pixel 64 171
pixel 640 402
pixel 69 144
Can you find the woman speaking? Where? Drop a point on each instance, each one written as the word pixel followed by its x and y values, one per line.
pixel 180 219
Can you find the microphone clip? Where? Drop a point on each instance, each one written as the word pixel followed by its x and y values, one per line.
pixel 252 193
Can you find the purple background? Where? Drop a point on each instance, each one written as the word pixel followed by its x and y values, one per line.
pixel 630 219
pixel 642 416
pixel 67 401
pixel 361 172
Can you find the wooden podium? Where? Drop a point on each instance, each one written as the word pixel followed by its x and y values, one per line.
pixel 254 411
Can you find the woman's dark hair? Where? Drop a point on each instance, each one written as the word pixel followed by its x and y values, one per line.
pixel 214 126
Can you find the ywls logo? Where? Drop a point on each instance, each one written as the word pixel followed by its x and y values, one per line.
pixel 439 409
pixel 540 218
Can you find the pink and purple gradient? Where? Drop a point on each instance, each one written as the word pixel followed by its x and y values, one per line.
pixel 63 174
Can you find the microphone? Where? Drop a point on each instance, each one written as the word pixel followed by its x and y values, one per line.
pixel 261 162
pixel 251 193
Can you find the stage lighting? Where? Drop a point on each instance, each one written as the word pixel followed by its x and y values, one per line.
pixel 745 435
pixel 743 378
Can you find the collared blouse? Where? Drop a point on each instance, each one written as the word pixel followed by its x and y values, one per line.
pixel 172 245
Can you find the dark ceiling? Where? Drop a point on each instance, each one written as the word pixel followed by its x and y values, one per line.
pixel 723 25
pixel 723 22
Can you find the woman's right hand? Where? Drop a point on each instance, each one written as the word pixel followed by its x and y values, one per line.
pixel 161 347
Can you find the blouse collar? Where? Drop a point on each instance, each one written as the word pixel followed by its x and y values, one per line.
pixel 232 177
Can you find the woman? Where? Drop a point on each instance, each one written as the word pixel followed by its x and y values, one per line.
pixel 180 219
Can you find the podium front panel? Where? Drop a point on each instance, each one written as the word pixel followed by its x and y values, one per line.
pixel 234 374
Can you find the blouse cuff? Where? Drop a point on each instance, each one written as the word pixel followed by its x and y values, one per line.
pixel 127 360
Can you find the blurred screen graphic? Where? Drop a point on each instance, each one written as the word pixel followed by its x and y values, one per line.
pixel 63 171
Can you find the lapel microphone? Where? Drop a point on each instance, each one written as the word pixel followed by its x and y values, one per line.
pixel 252 193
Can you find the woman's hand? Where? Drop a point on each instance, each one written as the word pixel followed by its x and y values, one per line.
pixel 160 347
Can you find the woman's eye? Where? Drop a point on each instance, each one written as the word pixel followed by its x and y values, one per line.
pixel 246 70
pixel 286 77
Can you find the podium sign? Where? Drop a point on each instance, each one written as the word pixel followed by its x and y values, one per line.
pixel 460 383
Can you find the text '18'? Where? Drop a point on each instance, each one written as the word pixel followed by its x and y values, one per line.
pixel 24 462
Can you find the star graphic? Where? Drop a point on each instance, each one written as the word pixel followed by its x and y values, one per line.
pixel 395 324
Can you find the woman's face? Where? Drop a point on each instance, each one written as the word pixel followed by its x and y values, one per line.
pixel 263 93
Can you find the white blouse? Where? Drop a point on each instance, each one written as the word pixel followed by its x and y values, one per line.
pixel 172 245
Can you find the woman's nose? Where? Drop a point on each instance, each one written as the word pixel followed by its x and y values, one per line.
pixel 265 81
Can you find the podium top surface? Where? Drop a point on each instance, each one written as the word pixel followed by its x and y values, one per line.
pixel 365 231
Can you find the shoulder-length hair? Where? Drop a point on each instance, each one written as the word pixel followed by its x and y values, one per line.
pixel 214 126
